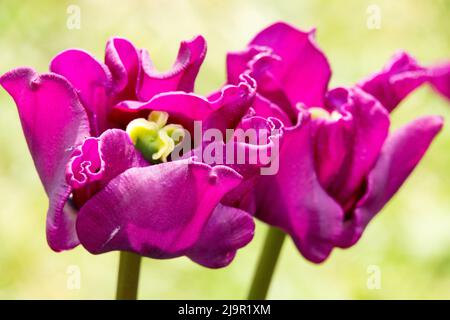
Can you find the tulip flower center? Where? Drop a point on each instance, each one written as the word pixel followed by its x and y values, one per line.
pixel 320 113
pixel 154 137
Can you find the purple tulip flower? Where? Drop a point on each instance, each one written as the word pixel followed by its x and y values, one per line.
pixel 106 193
pixel 339 165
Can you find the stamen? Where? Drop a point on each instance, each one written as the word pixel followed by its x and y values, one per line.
pixel 153 137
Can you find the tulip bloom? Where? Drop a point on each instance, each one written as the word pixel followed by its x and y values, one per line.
pixel 339 164
pixel 101 135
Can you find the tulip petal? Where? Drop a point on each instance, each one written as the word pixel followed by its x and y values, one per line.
pixel 98 160
pixel 230 104
pixel 194 107
pixel 266 109
pixel 239 62
pixel 122 59
pixel 333 149
pixel 400 154
pixel 227 230
pixel 54 122
pixel 294 200
pixel 364 128
pixel 158 211
pixel 93 81
pixel 440 79
pixel 223 109
pixel 395 81
pixel 180 77
pixel 250 151
pixel 301 73
pixel 401 76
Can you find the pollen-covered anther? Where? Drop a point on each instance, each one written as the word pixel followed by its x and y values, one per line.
pixel 154 137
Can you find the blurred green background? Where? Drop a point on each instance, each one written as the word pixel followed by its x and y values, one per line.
pixel 409 241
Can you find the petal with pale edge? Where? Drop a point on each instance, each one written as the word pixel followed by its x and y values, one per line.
pixel 230 104
pixel 294 200
pixel 54 122
pixel 158 211
pixel 400 154
pixel 98 160
pixel 302 73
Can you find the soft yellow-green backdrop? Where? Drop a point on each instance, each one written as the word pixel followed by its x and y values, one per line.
pixel 409 241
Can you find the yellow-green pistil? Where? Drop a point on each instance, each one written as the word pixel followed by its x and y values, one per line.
pixel 154 137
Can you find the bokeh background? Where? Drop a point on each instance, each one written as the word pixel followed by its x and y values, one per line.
pixel 409 241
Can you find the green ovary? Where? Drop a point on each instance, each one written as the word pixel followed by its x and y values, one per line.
pixel 153 137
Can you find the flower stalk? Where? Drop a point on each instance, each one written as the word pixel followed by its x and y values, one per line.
pixel 128 277
pixel 266 264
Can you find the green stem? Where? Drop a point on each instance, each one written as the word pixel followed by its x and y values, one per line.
pixel 266 264
pixel 128 278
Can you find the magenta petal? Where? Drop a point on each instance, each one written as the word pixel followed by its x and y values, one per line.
pixel 401 76
pixel 260 149
pixel 265 108
pixel 239 62
pixel 230 104
pixel 93 81
pixel 54 122
pixel 247 154
pixel 183 108
pixel 364 127
pixel 305 69
pixel 158 211
pixel 250 155
pixel 440 79
pixel 333 146
pixel 122 59
pixel 223 109
pixel 396 80
pixel 253 158
pixel 86 165
pixel 400 154
pixel 266 68
pixel 98 160
pixel 227 230
pixel 294 200
pixel 182 75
